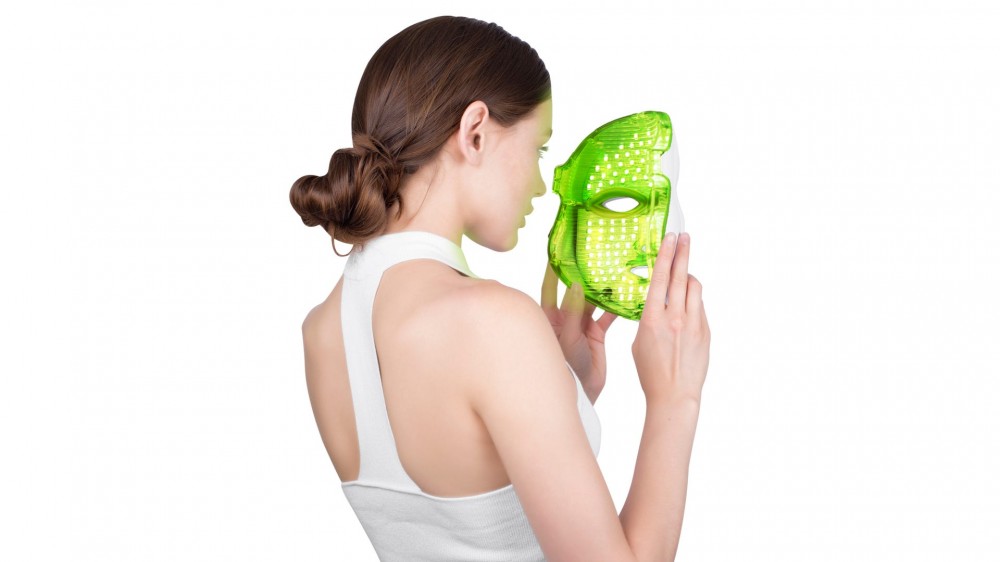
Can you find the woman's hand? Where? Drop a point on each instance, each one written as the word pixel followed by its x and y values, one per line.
pixel 579 335
pixel 672 344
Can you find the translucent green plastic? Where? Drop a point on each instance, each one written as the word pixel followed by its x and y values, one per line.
pixel 610 250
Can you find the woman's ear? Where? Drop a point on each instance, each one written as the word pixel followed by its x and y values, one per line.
pixel 472 131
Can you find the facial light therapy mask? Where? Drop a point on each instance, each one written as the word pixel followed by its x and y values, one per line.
pixel 618 199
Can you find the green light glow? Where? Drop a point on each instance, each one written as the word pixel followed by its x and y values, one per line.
pixel 614 204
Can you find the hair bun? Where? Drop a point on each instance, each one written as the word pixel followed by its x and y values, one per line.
pixel 351 201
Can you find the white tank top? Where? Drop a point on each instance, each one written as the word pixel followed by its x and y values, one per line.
pixel 402 522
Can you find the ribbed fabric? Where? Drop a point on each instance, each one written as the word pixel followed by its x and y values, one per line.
pixel 402 522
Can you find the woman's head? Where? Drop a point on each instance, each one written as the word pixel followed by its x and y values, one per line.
pixel 452 102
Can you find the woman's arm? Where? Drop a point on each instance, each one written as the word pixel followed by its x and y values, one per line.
pixel 526 398
pixel 654 509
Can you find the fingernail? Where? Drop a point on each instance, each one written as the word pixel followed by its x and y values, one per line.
pixel 670 238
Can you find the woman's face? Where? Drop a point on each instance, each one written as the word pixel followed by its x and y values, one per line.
pixel 514 177
pixel 538 129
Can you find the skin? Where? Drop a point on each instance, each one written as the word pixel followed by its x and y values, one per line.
pixel 482 186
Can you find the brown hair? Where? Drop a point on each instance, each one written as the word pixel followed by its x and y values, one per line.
pixel 410 100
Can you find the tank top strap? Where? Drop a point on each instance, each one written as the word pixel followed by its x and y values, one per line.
pixel 380 464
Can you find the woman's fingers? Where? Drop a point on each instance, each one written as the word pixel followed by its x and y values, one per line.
pixel 679 276
pixel 605 320
pixel 549 287
pixel 659 277
pixel 694 296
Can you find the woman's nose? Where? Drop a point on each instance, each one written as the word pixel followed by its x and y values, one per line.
pixel 542 188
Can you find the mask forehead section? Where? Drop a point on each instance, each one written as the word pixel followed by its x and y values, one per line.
pixel 615 198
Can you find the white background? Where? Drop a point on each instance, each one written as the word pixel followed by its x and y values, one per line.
pixel 838 176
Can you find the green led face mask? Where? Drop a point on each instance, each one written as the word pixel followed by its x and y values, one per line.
pixel 618 200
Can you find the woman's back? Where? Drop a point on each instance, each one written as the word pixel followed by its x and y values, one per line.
pixel 451 474
pixel 442 445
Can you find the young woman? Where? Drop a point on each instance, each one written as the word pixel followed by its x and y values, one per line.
pixel 457 412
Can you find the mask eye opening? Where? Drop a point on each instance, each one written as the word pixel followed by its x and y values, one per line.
pixel 620 204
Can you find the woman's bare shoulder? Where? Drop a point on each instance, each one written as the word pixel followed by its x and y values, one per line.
pixel 467 315
pixel 486 300
pixel 475 317
pixel 451 313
